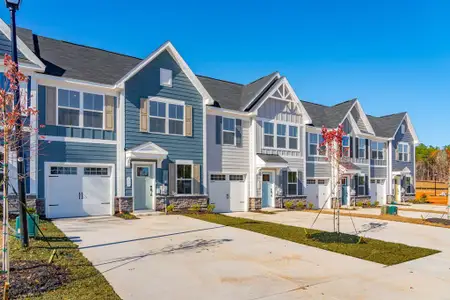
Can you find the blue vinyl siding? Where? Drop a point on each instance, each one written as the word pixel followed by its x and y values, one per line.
pixel 5 47
pixel 406 138
pixel 147 83
pixel 72 152
pixel 77 132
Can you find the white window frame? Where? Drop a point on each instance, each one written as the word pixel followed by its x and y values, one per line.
pixel 275 124
pixel 230 131
pixel 292 183
pixel 362 148
pixel 363 185
pixel 317 145
pixel 286 128
pixel 166 118
pixel 80 109
pixel 406 152
pixel 192 177
pixel 348 146
pixel 167 75
pixel 377 150
pixel 293 137
pixel 273 135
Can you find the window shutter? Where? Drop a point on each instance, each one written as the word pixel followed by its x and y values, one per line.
pixel 196 179
pixel 144 115
pixel 351 147
pixel 284 180
pixel 188 120
pixel 50 105
pixel 299 183
pixel 109 113
pixel 238 132
pixel 356 185
pixel 172 179
pixel 396 153
pixel 357 148
pixel 367 148
pixel 218 130
pixel 366 182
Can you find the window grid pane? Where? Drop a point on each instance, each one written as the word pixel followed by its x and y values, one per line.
pixel 70 117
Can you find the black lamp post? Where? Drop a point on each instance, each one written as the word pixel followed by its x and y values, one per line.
pixel 13 6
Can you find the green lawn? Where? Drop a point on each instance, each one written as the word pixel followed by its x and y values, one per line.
pixel 372 250
pixel 86 282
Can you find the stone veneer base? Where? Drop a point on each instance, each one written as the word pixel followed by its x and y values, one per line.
pixel 123 204
pixel 182 203
pixel 32 202
pixel 254 203
pixel 280 201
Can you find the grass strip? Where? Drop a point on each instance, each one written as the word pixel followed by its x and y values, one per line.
pixel 382 252
pixel 86 282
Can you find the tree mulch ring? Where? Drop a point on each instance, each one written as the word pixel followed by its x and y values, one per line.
pixel 438 220
pixel 31 278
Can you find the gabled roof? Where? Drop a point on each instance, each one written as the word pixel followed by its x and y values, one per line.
pixel 236 96
pixel 328 116
pixel 386 126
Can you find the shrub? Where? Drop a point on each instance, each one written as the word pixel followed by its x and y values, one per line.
pixel 31 210
pixel 301 205
pixel 310 205
pixel 126 216
pixel 376 204
pixel 210 208
pixel 195 207
pixel 423 197
pixel 288 205
pixel 359 204
pixel 170 208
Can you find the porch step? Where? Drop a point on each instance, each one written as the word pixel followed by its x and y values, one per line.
pixel 141 213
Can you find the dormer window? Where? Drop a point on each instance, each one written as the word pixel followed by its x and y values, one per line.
pixel 165 77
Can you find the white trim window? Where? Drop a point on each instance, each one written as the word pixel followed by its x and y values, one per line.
pixel 407 185
pixel 166 117
pixel 292 183
pixel 229 131
pixel 69 107
pixel 346 146
pixel 315 145
pixel 184 179
pixel 377 150
pixel 293 137
pixel 361 185
pixel 269 135
pixel 165 77
pixel 403 152
pixel 281 136
pixel 93 110
pixel 362 148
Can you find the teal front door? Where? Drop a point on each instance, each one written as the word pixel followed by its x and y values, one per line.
pixel 144 187
pixel 344 192
pixel 267 189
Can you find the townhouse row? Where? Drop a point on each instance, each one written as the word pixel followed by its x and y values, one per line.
pixel 121 133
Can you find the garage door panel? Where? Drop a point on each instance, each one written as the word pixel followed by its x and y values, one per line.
pixel 227 192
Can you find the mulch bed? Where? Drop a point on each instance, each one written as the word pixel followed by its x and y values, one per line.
pixel 31 278
pixel 438 220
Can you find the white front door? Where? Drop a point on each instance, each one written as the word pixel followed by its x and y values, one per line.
pixel 378 191
pixel 77 191
pixel 144 186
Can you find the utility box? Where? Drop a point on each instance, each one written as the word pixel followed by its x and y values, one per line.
pixel 32 226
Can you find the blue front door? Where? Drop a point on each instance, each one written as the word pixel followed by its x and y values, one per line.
pixel 267 189
pixel 344 192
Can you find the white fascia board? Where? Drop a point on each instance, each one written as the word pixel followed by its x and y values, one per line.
pixel 22 47
pixel 353 123
pixel 177 57
pixel 276 75
pixel 364 117
pixel 216 111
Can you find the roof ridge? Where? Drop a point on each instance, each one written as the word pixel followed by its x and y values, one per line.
pixel 227 81
pixel 390 115
pixel 323 105
pixel 262 77
pixel 343 102
pixel 85 46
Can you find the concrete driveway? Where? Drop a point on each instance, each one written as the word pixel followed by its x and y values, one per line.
pixel 175 257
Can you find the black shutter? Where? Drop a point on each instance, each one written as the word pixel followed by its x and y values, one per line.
pixel 238 132
pixel 351 146
pixel 284 180
pixel 218 130
pixel 367 148
pixel 366 181
pixel 356 185
pixel 357 147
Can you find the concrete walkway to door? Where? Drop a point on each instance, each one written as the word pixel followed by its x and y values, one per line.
pixel 176 257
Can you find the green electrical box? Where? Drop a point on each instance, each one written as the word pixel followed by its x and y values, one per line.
pixel 32 226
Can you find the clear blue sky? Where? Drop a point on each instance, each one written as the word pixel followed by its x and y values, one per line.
pixel 393 55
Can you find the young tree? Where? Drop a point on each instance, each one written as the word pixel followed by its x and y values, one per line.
pixel 10 113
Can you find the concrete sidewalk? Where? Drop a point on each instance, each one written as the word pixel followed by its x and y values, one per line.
pixel 176 257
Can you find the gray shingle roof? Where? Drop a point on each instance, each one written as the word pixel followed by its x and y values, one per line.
pixel 328 116
pixel 236 96
pixel 65 59
pixel 386 126
pixel 269 158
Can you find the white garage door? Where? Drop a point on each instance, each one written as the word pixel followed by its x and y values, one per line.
pixel 378 190
pixel 74 191
pixel 227 192
pixel 318 192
